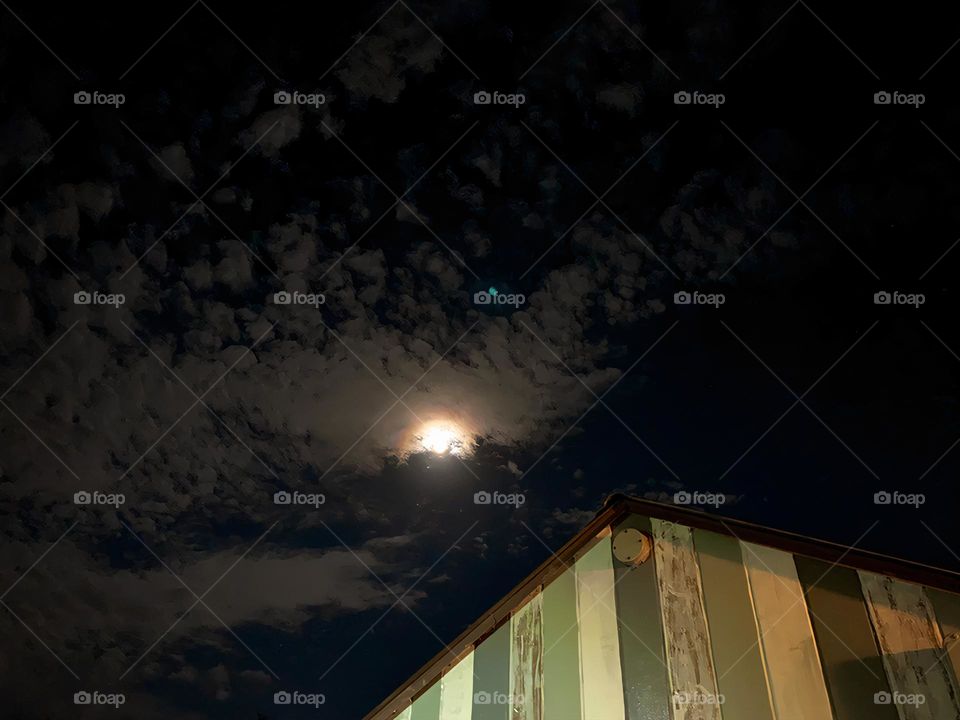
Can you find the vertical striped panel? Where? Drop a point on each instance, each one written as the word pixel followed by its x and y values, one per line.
pixel 561 649
pixel 491 683
pixel 786 636
pixel 741 677
pixel 427 706
pixel 404 714
pixel 526 661
pixel 910 640
pixel 601 693
pixel 848 649
pixel 693 683
pixel 456 691
pixel 947 608
pixel 645 683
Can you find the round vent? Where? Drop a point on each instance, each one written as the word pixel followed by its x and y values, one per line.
pixel 632 547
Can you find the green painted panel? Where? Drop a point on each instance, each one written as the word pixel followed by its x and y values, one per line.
pixel 946 606
pixel 561 649
pixel 646 692
pixel 427 706
pixel 733 628
pixel 848 648
pixel 491 682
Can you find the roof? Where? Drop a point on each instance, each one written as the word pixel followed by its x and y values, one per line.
pixel 617 507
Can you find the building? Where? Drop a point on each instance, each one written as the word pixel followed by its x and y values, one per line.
pixel 658 612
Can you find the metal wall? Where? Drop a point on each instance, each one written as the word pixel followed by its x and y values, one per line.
pixel 710 628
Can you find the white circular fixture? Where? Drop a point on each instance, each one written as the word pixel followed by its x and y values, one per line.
pixel 632 547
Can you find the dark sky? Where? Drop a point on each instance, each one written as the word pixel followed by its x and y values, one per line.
pixel 397 199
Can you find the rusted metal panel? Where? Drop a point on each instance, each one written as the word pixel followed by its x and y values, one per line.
pixel 456 691
pixel 561 649
pixel 794 674
pixel 741 677
pixel 601 690
pixel 922 687
pixel 526 661
pixel 646 688
pixel 848 648
pixel 693 682
pixel 946 606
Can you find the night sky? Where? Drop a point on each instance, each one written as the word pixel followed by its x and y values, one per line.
pixel 391 204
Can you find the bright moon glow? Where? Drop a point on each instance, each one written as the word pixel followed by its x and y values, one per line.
pixel 442 438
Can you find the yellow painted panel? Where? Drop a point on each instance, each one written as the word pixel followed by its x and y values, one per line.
pixel 797 687
pixel 456 691
pixel 601 693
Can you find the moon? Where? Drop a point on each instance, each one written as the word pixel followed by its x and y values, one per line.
pixel 442 438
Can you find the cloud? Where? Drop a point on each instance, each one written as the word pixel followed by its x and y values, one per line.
pixel 174 159
pixel 378 66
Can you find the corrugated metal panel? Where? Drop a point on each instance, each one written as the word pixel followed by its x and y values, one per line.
pixel 693 683
pixel 646 687
pixel 561 649
pixel 741 677
pixel 910 639
pixel 601 693
pixel 789 649
pixel 491 683
pixel 456 691
pixel 427 706
pixel 848 649
pixel 947 608
pixel 526 661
